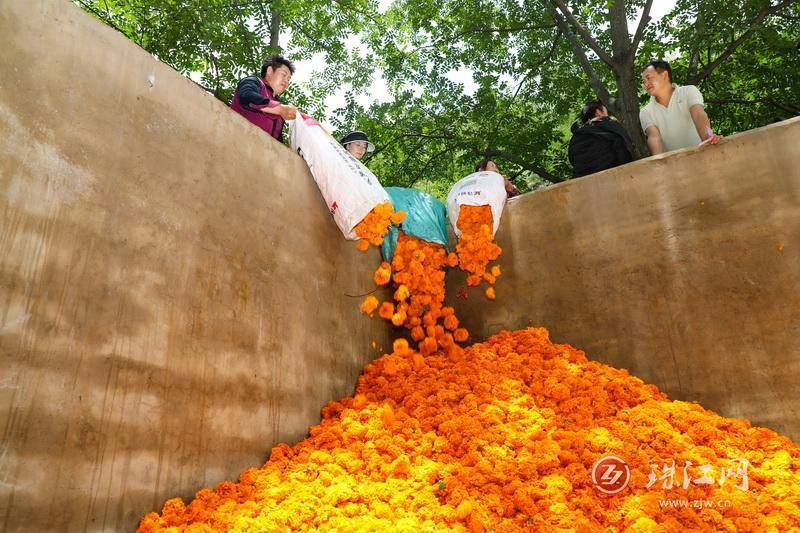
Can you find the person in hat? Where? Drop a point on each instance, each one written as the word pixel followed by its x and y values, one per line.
pixel 356 143
pixel 256 98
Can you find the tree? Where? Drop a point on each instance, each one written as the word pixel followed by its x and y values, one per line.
pixel 218 42
pixel 533 64
pixel 562 53
pixel 744 56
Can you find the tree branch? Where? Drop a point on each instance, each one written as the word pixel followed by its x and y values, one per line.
pixel 348 7
pixel 587 37
pixel 246 37
pixel 513 158
pixel 642 25
pixel 104 18
pixel 274 29
pixel 430 160
pixel 412 135
pixel 620 36
pixel 301 29
pixel 594 79
pixel 501 117
pixel 763 14
pixel 452 38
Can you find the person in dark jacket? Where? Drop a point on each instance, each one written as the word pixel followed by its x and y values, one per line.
pixel 256 98
pixel 600 143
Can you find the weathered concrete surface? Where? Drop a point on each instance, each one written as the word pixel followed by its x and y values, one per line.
pixel 683 268
pixel 172 289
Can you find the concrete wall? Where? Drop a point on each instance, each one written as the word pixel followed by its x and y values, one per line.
pixel 173 292
pixel 683 268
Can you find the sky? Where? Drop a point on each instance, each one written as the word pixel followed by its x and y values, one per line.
pixel 378 92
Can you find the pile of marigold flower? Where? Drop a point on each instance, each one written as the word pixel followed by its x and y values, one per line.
pixel 417 271
pixel 503 437
pixel 476 247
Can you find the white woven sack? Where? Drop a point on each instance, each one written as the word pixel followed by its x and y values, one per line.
pixel 479 188
pixel 350 190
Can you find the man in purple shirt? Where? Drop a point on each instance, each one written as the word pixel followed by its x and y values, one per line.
pixel 256 98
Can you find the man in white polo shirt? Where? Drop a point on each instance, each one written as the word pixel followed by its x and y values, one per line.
pixel 674 118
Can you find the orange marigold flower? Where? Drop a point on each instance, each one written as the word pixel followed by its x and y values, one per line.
pixel 387 415
pixel 428 346
pixel 398 217
pixel 386 311
pixel 419 281
pixel 504 434
pixel 476 247
pixel 401 466
pixel 369 305
pixel 451 322
pixel 398 319
pixel 490 293
pixel 461 334
pixel 400 347
pixel 375 225
pixel 359 401
pixel 463 510
pixel 402 293
pixel 383 274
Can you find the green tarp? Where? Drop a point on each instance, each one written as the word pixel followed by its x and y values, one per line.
pixel 426 218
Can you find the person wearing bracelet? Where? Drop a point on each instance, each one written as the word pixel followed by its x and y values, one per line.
pixel 675 117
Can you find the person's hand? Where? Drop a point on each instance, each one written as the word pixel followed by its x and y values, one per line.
pixel 511 189
pixel 711 137
pixel 714 139
pixel 287 112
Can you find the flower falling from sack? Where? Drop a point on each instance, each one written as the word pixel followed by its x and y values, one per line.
pixel 417 270
pixel 504 438
pixel 476 247
pixel 374 227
